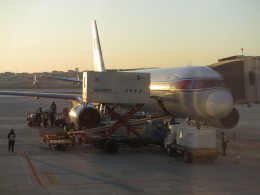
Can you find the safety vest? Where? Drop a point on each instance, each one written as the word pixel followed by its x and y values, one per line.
pixel 11 137
pixel 71 129
pixel 39 111
pixel 225 138
pixel 65 128
pixel 45 116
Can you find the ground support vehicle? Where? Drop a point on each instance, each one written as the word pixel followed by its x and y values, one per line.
pixel 191 142
pixel 60 140
pixel 31 119
pixel 59 120
pixel 106 141
pixel 50 131
pixel 155 131
pixel 109 142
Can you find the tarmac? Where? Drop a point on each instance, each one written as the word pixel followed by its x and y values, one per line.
pixel 33 168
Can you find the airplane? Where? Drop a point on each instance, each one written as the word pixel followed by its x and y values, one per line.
pixel 194 92
pixel 73 80
pixel 35 81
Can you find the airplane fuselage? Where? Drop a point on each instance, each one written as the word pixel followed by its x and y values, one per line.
pixel 194 91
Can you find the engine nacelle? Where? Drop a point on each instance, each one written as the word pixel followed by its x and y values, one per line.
pixel 228 122
pixel 84 117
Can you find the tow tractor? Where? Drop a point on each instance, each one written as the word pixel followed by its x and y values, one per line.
pixel 31 119
pixel 191 142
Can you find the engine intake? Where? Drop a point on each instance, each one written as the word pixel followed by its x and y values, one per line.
pixel 84 117
pixel 227 122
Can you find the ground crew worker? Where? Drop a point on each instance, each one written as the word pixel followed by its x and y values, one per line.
pixel 45 119
pixel 66 128
pixel 52 119
pixel 11 137
pixel 38 116
pixel 53 108
pixel 65 113
pixel 224 143
pixel 72 127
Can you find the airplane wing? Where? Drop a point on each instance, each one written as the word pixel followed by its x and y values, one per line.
pixel 74 80
pixel 74 97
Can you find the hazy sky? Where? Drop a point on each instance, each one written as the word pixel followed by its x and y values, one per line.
pixel 46 35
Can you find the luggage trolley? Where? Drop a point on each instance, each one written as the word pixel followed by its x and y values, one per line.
pixel 59 140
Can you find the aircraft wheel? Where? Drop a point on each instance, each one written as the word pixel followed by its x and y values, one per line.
pixel 162 146
pixel 110 147
pixel 210 159
pixel 169 151
pixel 60 147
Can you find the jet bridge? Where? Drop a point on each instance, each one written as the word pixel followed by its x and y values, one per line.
pixel 242 75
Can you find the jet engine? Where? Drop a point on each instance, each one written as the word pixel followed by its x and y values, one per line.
pixel 84 117
pixel 227 122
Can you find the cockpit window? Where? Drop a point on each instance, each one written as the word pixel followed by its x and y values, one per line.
pixel 198 84
pixel 220 83
pixel 208 83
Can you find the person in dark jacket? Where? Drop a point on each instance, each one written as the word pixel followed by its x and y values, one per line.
pixel 11 138
pixel 225 139
pixel 52 119
pixel 53 108
pixel 38 118
pixel 45 118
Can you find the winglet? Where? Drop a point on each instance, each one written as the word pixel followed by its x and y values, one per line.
pixel 98 57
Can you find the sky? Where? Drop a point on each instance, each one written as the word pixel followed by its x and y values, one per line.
pixel 46 35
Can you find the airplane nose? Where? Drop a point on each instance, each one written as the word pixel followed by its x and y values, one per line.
pixel 219 104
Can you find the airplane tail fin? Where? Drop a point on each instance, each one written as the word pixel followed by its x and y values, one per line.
pixel 98 57
pixel 35 81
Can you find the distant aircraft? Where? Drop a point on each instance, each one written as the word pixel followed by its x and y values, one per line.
pixel 194 92
pixel 73 80
pixel 35 81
